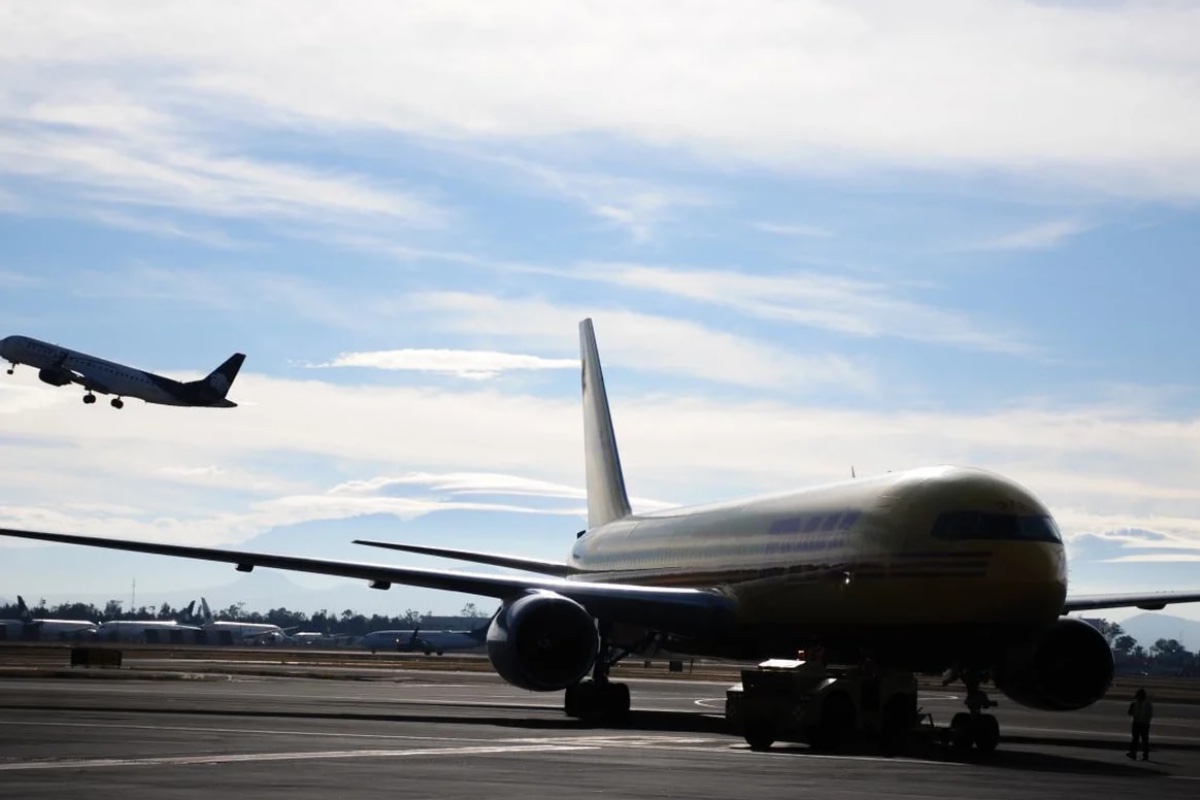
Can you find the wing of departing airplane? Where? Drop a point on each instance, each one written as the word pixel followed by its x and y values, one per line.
pixel 1151 601
pixel 86 378
pixel 682 611
pixel 494 559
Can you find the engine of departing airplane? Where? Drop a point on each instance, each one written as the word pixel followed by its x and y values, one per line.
pixel 54 377
pixel 542 642
pixel 1067 667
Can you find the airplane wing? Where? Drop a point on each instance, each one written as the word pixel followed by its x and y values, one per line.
pixel 1151 601
pixel 494 559
pixel 681 611
pixel 86 379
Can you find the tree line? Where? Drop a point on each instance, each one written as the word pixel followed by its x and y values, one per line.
pixel 1164 657
pixel 347 623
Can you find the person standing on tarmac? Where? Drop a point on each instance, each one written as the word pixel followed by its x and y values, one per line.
pixel 1142 711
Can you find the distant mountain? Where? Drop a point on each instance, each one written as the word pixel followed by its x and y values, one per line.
pixel 1148 628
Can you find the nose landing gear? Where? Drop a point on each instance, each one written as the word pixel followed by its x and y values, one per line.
pixel 973 727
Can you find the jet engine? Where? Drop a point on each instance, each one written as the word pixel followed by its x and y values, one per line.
pixel 1067 667
pixel 542 642
pixel 54 377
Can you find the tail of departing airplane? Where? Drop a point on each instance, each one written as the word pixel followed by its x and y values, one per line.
pixel 606 497
pixel 26 614
pixel 221 379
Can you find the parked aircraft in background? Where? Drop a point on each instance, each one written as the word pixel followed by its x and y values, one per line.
pixel 153 631
pixel 941 569
pixel 234 632
pixel 149 631
pixel 59 366
pixel 429 642
pixel 45 629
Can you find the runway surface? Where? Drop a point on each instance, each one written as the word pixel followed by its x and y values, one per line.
pixel 448 735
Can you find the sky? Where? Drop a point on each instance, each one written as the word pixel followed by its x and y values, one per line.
pixel 812 236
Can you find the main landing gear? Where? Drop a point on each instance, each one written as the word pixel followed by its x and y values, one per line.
pixel 600 699
pixel 973 727
pixel 117 403
pixel 89 398
pixel 11 366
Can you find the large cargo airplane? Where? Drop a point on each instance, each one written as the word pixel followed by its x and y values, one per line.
pixel 59 366
pixel 947 569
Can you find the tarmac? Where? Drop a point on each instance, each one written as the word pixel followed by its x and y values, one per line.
pixel 418 734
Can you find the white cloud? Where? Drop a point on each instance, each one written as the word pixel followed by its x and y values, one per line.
pixel 791 230
pixel 832 302
pixel 638 205
pixel 415 450
pixel 116 151
pixel 1041 236
pixel 1097 95
pixel 1155 558
pixel 644 341
pixel 472 364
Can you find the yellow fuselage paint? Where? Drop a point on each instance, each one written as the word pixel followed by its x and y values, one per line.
pixel 858 553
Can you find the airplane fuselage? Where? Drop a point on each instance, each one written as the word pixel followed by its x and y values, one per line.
pixel 917 563
pixel 60 366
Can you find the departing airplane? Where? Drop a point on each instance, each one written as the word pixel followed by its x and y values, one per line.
pixel 938 569
pixel 59 366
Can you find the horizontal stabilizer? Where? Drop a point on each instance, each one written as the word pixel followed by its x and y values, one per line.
pixel 494 559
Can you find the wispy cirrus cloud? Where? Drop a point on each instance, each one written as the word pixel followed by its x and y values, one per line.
pixel 832 302
pixel 1092 95
pixel 113 151
pixel 660 344
pixel 1040 236
pixel 792 230
pixel 471 364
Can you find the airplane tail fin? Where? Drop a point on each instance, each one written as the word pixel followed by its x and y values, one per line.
pixel 205 611
pixel 606 497
pixel 26 614
pixel 221 378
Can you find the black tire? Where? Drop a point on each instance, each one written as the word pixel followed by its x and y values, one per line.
pixel 962 731
pixel 987 733
pixel 838 726
pixel 760 734
pixel 897 720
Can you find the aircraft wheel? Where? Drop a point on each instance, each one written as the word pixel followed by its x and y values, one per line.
pixel 439 652
pixel 962 731
pixel 89 399
pixel 987 733
pixel 118 402
pixel 597 701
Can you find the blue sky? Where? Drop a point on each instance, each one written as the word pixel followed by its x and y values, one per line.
pixel 812 235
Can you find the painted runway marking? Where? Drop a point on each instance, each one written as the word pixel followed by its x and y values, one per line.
pixel 614 740
pixel 318 755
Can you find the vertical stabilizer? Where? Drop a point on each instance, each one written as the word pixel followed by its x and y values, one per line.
pixel 606 496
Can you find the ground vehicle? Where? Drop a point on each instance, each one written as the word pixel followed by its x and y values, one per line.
pixel 828 707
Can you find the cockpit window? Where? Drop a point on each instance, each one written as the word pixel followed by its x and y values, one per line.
pixel 992 526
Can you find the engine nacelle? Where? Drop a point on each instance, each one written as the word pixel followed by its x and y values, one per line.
pixel 54 377
pixel 1067 667
pixel 543 642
